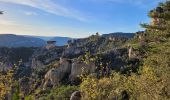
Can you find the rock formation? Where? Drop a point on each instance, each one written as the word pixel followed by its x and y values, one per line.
pixel 72 51
pixel 66 67
pixel 3 67
pixel 37 64
pixel 52 78
pixel 50 44
pixel 43 57
pixel 131 52
pixel 79 68
pixel 55 75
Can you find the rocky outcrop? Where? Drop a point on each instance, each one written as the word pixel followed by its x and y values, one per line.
pixel 79 68
pixel 72 51
pixel 66 67
pixel 3 67
pixel 55 75
pixel 43 57
pixel 52 78
pixel 37 64
pixel 132 53
pixel 76 95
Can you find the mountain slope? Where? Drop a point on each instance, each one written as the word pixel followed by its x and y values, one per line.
pixel 10 40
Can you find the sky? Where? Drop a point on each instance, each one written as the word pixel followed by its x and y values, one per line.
pixel 73 18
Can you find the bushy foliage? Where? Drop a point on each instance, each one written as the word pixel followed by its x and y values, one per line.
pixel 5 83
pixel 16 95
pixel 60 93
pixel 138 87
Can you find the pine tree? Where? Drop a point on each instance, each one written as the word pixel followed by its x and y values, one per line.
pixel 160 18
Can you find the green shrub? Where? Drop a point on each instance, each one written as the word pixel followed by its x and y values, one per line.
pixel 60 93
pixel 145 86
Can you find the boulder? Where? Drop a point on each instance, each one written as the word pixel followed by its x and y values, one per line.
pixel 76 95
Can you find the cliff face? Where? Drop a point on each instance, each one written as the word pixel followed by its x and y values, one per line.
pixel 70 69
pixel 79 68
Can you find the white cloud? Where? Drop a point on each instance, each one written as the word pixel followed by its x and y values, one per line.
pixel 50 7
pixel 133 2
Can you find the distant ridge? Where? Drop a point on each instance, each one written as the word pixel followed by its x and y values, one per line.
pixel 119 34
pixel 60 41
pixel 11 40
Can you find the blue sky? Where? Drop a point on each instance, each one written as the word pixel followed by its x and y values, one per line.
pixel 73 18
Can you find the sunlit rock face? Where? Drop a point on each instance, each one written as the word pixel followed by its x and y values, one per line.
pixel 54 76
pixel 79 68
pixel 66 67
pixel 130 52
